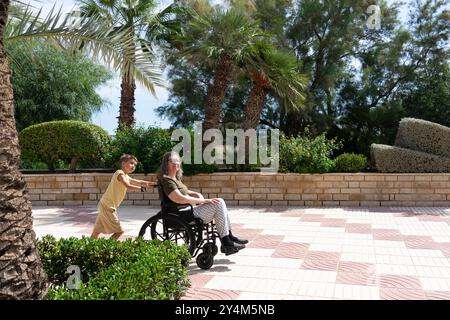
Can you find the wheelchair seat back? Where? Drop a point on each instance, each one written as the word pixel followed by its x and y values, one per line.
pixel 168 206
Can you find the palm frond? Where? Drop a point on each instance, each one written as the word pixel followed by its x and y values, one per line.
pixel 99 39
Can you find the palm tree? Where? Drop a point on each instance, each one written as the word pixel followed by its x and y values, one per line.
pixel 144 27
pixel 273 71
pixel 224 39
pixel 21 272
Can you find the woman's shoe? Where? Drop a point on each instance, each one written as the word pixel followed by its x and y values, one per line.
pixel 231 249
pixel 237 240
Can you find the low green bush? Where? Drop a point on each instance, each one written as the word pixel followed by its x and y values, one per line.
pixel 65 140
pixel 307 154
pixel 110 269
pixel 350 162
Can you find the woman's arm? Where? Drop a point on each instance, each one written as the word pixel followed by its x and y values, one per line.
pixel 195 194
pixel 177 197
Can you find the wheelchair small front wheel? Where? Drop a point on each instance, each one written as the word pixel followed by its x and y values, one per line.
pixel 211 247
pixel 205 260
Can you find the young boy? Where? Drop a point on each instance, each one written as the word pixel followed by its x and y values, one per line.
pixel 107 220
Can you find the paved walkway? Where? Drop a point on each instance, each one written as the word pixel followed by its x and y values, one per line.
pixel 307 253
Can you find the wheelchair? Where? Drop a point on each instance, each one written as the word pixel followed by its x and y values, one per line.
pixel 182 227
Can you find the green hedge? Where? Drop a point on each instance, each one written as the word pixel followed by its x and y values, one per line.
pixel 110 269
pixel 350 162
pixel 305 154
pixel 149 145
pixel 65 140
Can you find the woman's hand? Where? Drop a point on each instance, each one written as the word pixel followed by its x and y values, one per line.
pixel 213 201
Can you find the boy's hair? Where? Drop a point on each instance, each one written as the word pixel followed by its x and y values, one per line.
pixel 126 157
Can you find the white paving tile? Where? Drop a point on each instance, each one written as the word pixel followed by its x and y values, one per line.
pixel 356 292
pixel 435 284
pixel 316 289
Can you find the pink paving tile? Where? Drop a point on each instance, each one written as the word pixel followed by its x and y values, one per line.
pixel 387 237
pixel 293 213
pixel 444 247
pixel 399 282
pixel 350 266
pixel 291 250
pixel 199 280
pixel 417 238
pixel 437 295
pixel 210 294
pixel 336 223
pixel 401 294
pixel 357 278
pixel 312 217
pixel 387 234
pixel 265 242
pixel 429 217
pixel 249 234
pixel 322 255
pixel 404 214
pixel 395 232
pixel 358 228
pixel 320 264
pixel 421 244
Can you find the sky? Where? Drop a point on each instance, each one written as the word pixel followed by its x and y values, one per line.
pixel 145 103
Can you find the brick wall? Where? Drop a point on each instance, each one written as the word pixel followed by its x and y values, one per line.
pixel 360 189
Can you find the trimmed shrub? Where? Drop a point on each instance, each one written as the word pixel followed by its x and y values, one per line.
pixel 110 269
pixel 425 136
pixel 350 162
pixel 146 144
pixel 304 154
pixel 149 145
pixel 396 159
pixel 66 140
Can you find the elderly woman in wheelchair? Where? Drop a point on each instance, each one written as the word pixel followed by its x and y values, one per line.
pixel 187 217
pixel 206 209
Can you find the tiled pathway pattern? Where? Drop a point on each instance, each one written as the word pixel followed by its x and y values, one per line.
pixel 307 253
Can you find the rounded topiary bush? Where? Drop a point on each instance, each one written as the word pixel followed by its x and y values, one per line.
pixel 350 162
pixel 424 136
pixel 65 140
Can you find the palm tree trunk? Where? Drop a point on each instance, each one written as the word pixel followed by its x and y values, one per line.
pixel 126 116
pixel 252 112
pixel 254 106
pixel 21 272
pixel 216 93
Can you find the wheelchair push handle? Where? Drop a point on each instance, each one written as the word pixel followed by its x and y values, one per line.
pixel 143 189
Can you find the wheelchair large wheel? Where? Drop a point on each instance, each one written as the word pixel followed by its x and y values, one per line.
pixel 170 228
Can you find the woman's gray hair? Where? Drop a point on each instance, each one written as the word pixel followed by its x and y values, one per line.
pixel 164 169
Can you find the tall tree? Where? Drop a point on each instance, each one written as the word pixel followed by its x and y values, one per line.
pixel 326 34
pixel 54 85
pixel 144 26
pixel 273 71
pixel 21 272
pixel 223 39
